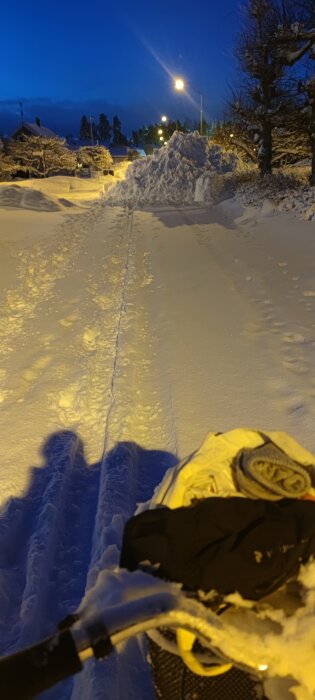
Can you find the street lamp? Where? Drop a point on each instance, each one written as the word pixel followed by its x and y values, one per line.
pixel 164 118
pixel 179 84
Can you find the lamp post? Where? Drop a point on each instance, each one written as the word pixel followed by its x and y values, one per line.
pixel 179 84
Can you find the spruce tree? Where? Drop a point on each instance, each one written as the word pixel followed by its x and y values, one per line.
pixel 104 127
pixel 119 139
pixel 85 129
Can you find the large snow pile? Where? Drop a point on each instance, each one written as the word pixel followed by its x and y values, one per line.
pixel 171 173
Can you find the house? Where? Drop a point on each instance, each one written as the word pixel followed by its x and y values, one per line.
pixel 28 129
pixel 121 153
pixel 140 151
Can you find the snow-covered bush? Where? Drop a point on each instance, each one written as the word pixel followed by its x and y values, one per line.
pixel 287 189
pixel 169 175
pixel 36 156
pixel 7 166
pixel 96 157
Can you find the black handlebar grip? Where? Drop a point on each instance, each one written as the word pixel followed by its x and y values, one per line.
pixel 31 671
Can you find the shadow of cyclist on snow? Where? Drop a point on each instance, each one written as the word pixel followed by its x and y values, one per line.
pixel 51 536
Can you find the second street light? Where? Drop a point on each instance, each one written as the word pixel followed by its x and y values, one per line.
pixel 179 84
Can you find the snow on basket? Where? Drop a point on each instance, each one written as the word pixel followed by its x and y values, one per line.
pixel 170 174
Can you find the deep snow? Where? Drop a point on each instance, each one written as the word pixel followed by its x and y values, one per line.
pixel 125 336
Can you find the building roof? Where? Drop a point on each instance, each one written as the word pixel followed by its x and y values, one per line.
pixel 35 130
pixel 119 151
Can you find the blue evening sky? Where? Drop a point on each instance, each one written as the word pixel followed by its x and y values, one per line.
pixel 65 59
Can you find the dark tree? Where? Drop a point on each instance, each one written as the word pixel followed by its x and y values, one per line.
pixel 135 139
pixel 119 139
pixel 85 129
pixel 154 135
pixel 104 127
pixel 277 34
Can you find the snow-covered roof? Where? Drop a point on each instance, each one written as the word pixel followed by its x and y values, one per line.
pixel 35 130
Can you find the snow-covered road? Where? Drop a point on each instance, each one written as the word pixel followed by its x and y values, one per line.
pixel 125 337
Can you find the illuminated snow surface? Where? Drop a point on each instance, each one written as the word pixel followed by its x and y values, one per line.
pixel 125 336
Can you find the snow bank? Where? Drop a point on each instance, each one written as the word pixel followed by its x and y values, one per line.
pixel 287 190
pixel 16 197
pixel 52 193
pixel 171 173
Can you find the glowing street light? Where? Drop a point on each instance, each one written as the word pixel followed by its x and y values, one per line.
pixel 160 131
pixel 179 84
pixel 164 118
pixel 161 138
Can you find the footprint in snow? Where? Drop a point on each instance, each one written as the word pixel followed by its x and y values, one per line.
pixel 90 338
pixel 68 321
pixel 293 338
pixel 295 366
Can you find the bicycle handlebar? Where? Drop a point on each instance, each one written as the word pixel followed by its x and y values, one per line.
pixel 33 670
